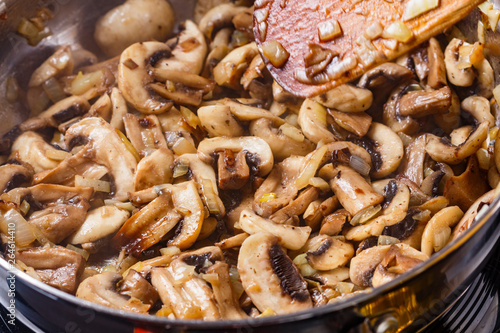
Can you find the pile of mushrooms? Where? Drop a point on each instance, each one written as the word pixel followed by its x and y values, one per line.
pixel 178 180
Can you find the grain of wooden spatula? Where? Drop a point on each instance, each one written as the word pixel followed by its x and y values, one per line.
pixel 311 46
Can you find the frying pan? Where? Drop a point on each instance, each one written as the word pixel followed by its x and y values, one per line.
pixel 408 303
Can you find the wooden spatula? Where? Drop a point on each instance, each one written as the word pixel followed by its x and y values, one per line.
pixel 311 46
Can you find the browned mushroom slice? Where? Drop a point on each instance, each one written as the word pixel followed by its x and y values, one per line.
pixel 438 230
pixel 391 116
pixel 327 253
pixel 217 17
pixel 279 187
pixel 154 169
pixel 233 170
pixel 313 122
pixel 357 123
pixel 333 223
pixel 103 289
pixel 441 150
pixel 462 77
pixel 56 266
pixel 230 69
pixel 147 227
pixel 412 166
pixel 289 214
pixel 145 134
pixel 102 146
pixel 135 285
pixel 422 103
pixel 437 70
pixel 270 277
pixel 471 214
pixel 14 175
pixel 58 211
pixel 290 237
pixel 59 63
pixel 218 277
pixel 318 210
pixel 399 259
pixel 353 191
pixel 346 98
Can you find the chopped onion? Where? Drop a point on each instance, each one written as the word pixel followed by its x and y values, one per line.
pixel 374 30
pixel 359 165
pixel 27 28
pixel 57 155
pixel 292 132
pixel 441 238
pixel 267 313
pixel 387 240
pixel 190 117
pixel 493 18
pixel 309 170
pixel 481 32
pixel 268 196
pixel 399 31
pixel 170 251
pixel 275 52
pixel 180 169
pixel 54 90
pixel 329 30
pixel 98 185
pixel 209 196
pixel 234 276
pixel 496 94
pixel 303 265
pixel 483 157
pixel 319 183
pixel 13 225
pixel 78 250
pixel 165 311
pixel 415 8
pixel 24 207
pixel 366 215
pixel 84 82
pixel 12 90
pixel 121 205
pixel 128 145
pixel 183 146
pixel 344 287
pixel 470 55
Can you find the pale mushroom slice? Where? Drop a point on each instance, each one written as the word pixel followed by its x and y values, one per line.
pixel 103 289
pixel 217 17
pixel 145 133
pixel 269 276
pixel 313 122
pixel 290 237
pixel 218 120
pixel 135 285
pixel 154 169
pixel 103 146
pixel 326 253
pixel 230 69
pixel 59 63
pixel 438 230
pixel 397 199
pixel 14 175
pixel 135 77
pixel 56 266
pixel 346 98
pixel 309 54
pixel 473 213
pixel 99 223
pixel 442 151
pixel 462 77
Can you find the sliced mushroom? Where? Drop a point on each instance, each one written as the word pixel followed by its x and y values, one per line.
pixel 346 98
pixel 333 223
pixel 269 276
pixel 289 213
pixel 148 226
pixel 119 109
pixel 357 123
pixel 397 199
pixel 318 210
pixel 313 122
pixel 391 116
pixel 245 112
pixel 281 144
pixel 14 175
pixel 56 266
pixel 146 20
pixel 437 68
pixel 218 120
pixel 352 190
pixel 233 170
pixel 155 169
pixel 229 70
pixel 412 166
pixel 327 253
pixel 134 285
pixel 450 120
pixel 462 77
pixel 135 77
pixel 290 237
pixel 442 151
pixel 31 148
pixel 464 189
pixel 389 148
pixel 218 17
pixel 59 63
pixel 61 112
pixel 279 187
pixel 438 230
pixel 145 134
pixel 418 104
pixel 399 259
pixel 99 223
pixel 102 289
pixel 102 146
pixel 257 150
pixel 470 215
pixel 479 108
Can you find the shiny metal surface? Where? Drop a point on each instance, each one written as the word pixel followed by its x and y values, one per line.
pixel 397 306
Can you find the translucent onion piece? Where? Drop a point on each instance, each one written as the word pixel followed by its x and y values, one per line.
pixel 57 155
pixel 190 117
pixel 180 169
pixel 11 90
pixel 292 132
pixel 78 250
pixel 416 7
pixel 275 52
pixel 398 31
pixel 387 240
pixel 319 183
pixel 128 145
pixel 359 165
pixel 14 226
pixel 84 82
pixel 309 171
pixel 366 215
pixel 209 196
pixel 98 185
pixel 54 90
pixel 183 146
